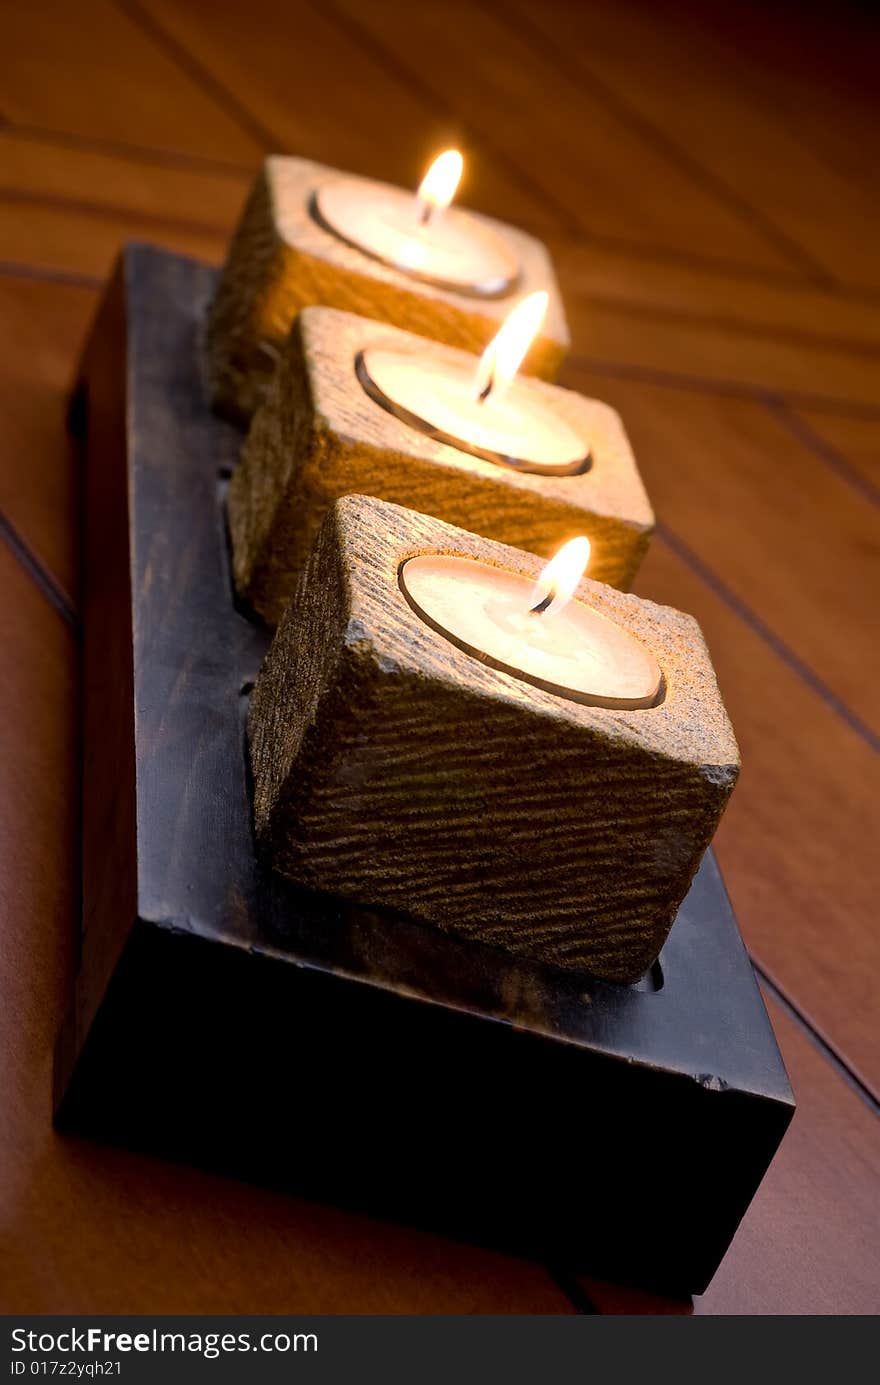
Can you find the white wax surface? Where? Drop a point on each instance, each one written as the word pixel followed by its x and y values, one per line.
pixel 579 654
pixel 519 427
pixel 454 250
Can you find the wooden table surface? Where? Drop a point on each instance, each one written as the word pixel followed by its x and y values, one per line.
pixel 704 180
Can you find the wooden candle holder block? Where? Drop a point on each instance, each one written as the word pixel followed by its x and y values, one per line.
pixel 394 769
pixel 319 436
pixel 204 981
pixel 282 259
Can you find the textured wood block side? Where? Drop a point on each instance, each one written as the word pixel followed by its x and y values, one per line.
pixel 282 260
pixel 319 436
pixel 394 769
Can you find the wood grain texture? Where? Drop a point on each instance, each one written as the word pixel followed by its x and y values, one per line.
pixel 100 1230
pixel 606 179
pixel 319 436
pixel 681 293
pixel 803 575
pixel 124 88
pixel 809 1242
pixel 82 241
pixel 799 828
pixel 38 944
pixel 281 260
pixel 383 769
pixel 42 326
pixel 360 112
pixel 68 207
pixel 781 176
pixel 87 1229
pixel 852 441
pixel 704 354
pixel 836 59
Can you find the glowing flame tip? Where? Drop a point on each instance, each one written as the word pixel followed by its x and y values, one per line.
pixel 438 187
pixel 508 348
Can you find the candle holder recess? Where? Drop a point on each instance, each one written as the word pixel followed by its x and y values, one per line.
pixel 284 257
pixel 320 434
pixel 397 770
pixel 224 1016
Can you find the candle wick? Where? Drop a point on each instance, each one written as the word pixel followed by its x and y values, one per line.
pixel 542 605
pixel 487 388
pixel 426 212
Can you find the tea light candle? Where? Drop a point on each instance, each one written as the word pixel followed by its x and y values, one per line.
pixel 420 235
pixel 534 630
pixel 490 413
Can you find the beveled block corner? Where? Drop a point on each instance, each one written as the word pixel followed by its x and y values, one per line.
pixel 282 259
pixel 319 435
pixel 397 770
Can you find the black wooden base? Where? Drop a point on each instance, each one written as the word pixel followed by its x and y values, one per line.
pixel 222 1017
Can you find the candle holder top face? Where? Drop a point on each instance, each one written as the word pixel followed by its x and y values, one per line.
pixel 491 613
pixel 394 768
pixel 320 435
pixel 283 259
pixel 456 250
pixel 427 392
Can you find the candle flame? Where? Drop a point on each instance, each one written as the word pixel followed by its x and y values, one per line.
pixel 437 188
pixel 507 350
pixel 557 582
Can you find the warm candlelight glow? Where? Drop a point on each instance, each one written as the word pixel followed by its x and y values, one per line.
pixel 557 581
pixel 507 350
pixel 419 233
pixel 437 188
pixel 507 621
